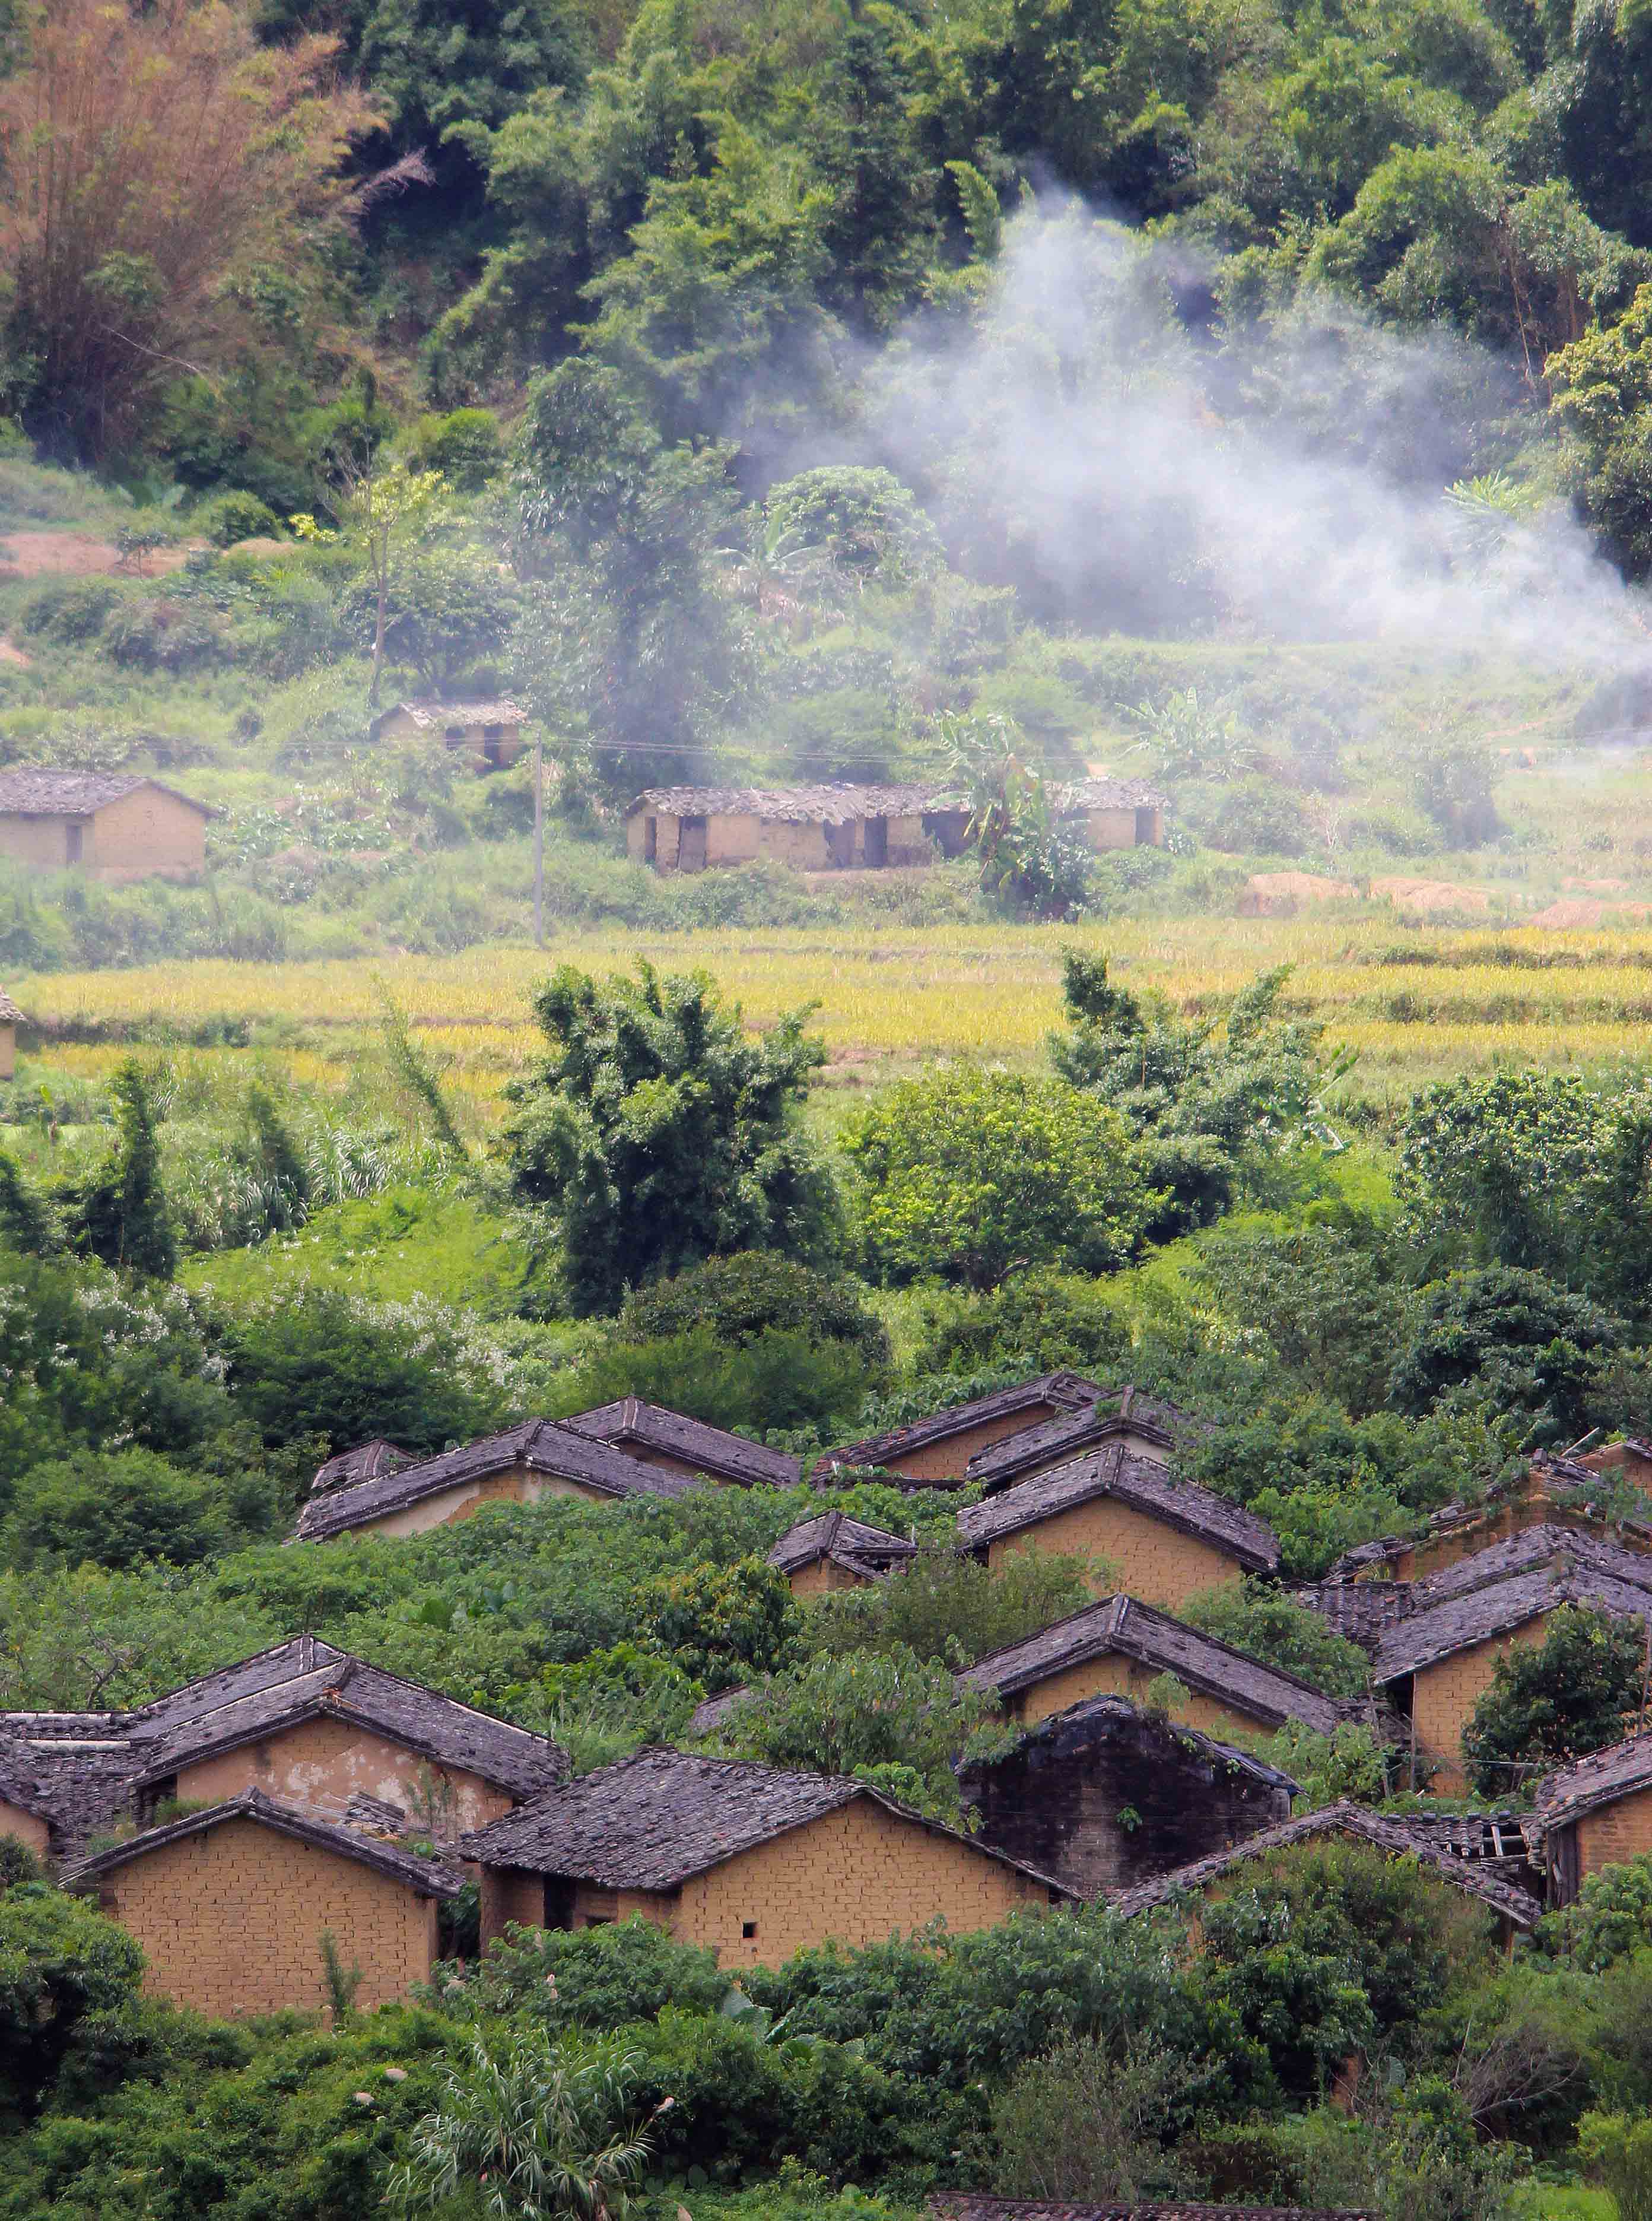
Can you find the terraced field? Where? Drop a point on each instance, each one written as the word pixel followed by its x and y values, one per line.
pixel 1417 1003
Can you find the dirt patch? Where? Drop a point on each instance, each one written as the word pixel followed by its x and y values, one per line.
pixel 1280 894
pixel 1596 886
pixel 80 555
pixel 1575 913
pixel 1426 898
pixel 260 547
pixel 14 656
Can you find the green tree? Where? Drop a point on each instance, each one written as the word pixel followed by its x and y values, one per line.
pixel 1601 389
pixel 889 1715
pixel 64 1969
pixel 1510 1339
pixel 115 1509
pixel 1556 1700
pixel 538 2132
pixel 120 1213
pixel 741 1297
pixel 655 1134
pixel 1268 1624
pixel 953 1610
pixel 1617 2149
pixel 967 1174
pixel 1028 857
pixel 864 521
pixel 720 1624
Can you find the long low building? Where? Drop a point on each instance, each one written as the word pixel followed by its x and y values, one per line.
pixel 849 827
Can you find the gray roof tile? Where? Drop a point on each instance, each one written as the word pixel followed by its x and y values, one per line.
pixel 430 1877
pixel 711 1450
pixel 37 790
pixel 1117 1411
pixel 1062 1391
pixel 1495 1610
pixel 1602 1778
pixel 1121 1625
pixel 848 1542
pixel 1144 1484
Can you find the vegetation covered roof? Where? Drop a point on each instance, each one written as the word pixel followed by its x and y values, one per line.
pixel 428 1876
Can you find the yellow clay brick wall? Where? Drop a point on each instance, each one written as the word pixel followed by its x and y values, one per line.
pixel 822 1578
pixel 1151 1561
pixel 464 1500
pixel 319 1765
pixel 1444 1695
pixel 854 1874
pixel 8 1047
pixel 230 1922
pixel 508 1894
pixel 1113 1675
pixel 144 833
pixel 26 1826
pixel 1612 1834
pixel 946 1461
pixel 1110 829
pixel 41 842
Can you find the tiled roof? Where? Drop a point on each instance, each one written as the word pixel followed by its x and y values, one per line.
pixel 270 1668
pixel 1495 1610
pixel 1560 1548
pixel 1360 1611
pixel 709 1449
pixel 1068 1392
pixel 343 1688
pixel 714 1714
pixel 968 2205
pixel 541 1445
pixel 36 791
pixel 427 1876
pixel 1144 1484
pixel 1359 1825
pixel 1600 1779
pixel 365 1461
pixel 1109 1711
pixel 654 1821
pixel 1125 1410
pixel 425 711
pixel 9 1013
pixel 829 805
pixel 1120 1624
pixel 848 1543
pixel 1106 794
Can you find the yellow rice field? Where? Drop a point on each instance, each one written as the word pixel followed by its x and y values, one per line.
pixel 891 994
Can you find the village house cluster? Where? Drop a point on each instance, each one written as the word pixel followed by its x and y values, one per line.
pixel 229 1823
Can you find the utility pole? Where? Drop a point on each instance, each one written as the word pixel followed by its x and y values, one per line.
pixel 539 841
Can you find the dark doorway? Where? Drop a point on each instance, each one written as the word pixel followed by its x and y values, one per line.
pixel 876 848
pixel 651 839
pixel 76 845
pixel 1147 828
pixel 840 844
pixel 493 746
pixel 691 845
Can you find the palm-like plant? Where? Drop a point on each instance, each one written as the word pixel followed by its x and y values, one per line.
pixel 780 574
pixel 540 2130
pixel 1193 739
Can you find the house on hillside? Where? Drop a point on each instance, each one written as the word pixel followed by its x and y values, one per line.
pixel 229 1905
pixel 1120 1647
pixel 837 1552
pixel 1549 1493
pixel 937 1449
pixel 1434 1668
pixel 488 735
pixel 302 1722
pixel 1166 1539
pixel 755 1862
pixel 1148 1426
pixel 1105 1794
pixel 1514 1908
pixel 11 1018
pixel 538 1458
pixel 1596 1812
pixel 842 827
pixel 364 1461
pixel 114 826
pixel 654 1436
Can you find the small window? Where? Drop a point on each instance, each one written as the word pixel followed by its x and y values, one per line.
pixel 748 1930
pixel 76 842
pixel 453 735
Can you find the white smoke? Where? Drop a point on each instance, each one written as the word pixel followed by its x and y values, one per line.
pixel 1071 429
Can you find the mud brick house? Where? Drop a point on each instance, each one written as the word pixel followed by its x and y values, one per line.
pixel 538 1458
pixel 837 1552
pixel 337 1730
pixel 1166 1538
pixel 1596 1812
pixel 847 827
pixel 1147 1427
pixel 1514 1908
pixel 1630 1459
pixel 1120 1647
pixel 1547 1495
pixel 755 1862
pixel 654 1436
pixel 1105 1794
pixel 1434 1668
pixel 937 1450
pixel 11 1018
pixel 302 1722
pixel 229 1905
pixel 114 826
pixel 488 735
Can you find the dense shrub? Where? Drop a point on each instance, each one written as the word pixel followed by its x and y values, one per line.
pixel 741 1297
pixel 952 1610
pixel 1034 1321
pixel 1266 1623
pixel 69 611
pixel 1556 1700
pixel 115 1509
pixel 234 515
pixel 776 1381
